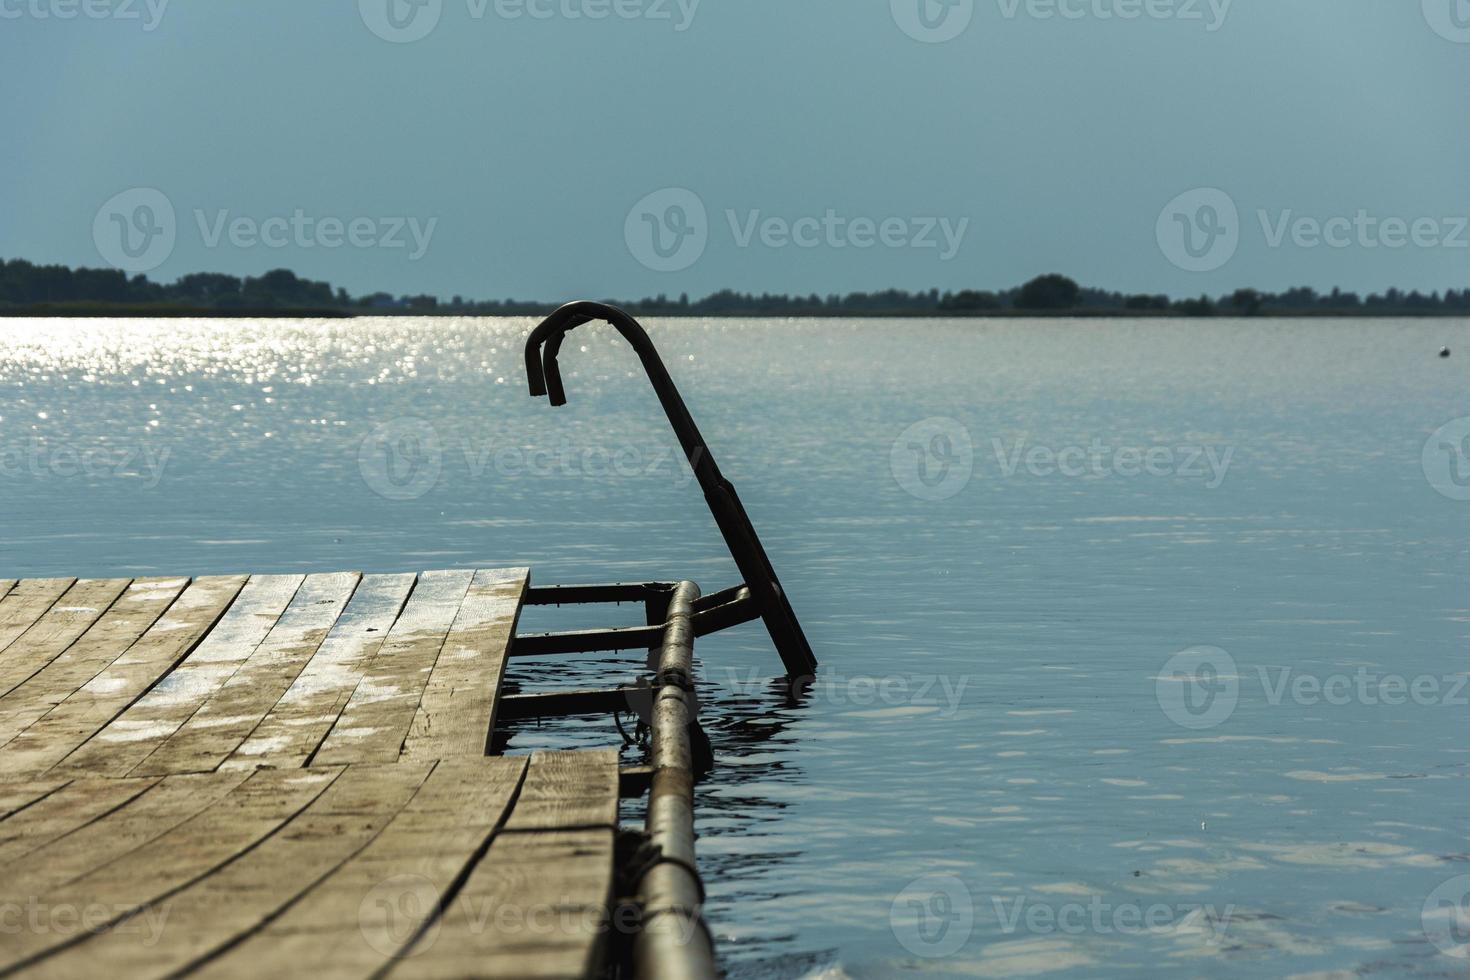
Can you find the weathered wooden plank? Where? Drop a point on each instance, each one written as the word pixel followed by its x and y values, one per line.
pixel 6 584
pixel 301 719
pixel 546 888
pixel 457 712
pixel 149 815
pixel 71 616
pixel 106 640
pixel 148 722
pixel 373 726
pixel 238 898
pixel 567 790
pixel 60 813
pixel 537 906
pixel 364 913
pixel 139 881
pixel 103 698
pixel 27 602
pixel 15 796
pixel 230 714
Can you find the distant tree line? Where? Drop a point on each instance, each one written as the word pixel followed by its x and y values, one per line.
pixel 29 288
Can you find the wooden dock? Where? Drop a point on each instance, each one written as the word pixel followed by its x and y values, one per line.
pixel 293 774
pixel 285 774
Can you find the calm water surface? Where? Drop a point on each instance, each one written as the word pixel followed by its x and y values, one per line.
pixel 1001 772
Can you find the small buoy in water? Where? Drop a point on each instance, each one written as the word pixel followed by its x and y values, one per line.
pixel 1444 352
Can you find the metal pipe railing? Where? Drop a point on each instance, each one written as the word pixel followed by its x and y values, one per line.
pixel 674 942
pixel 544 377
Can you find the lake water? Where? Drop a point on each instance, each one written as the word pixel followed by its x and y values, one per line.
pixel 1143 643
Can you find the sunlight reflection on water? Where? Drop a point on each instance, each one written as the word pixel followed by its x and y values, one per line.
pixel 989 721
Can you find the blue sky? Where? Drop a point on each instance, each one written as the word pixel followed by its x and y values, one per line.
pixel 521 147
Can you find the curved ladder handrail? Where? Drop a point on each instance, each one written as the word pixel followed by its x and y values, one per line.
pixel 544 377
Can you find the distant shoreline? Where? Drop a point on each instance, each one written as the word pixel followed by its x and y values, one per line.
pixel 148 312
pixel 30 290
